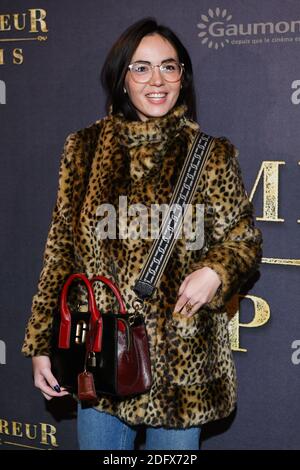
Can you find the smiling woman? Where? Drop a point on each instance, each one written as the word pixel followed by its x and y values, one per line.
pixel 138 150
pixel 168 81
pixel 155 95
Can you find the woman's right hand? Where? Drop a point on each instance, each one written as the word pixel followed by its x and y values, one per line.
pixel 44 379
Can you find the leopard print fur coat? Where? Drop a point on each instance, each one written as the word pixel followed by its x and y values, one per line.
pixel 194 378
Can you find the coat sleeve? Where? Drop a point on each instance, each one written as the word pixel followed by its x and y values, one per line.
pixel 57 261
pixel 235 245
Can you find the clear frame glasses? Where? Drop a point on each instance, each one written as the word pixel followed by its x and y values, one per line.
pixel 142 72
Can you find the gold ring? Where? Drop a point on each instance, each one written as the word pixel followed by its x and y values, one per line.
pixel 188 307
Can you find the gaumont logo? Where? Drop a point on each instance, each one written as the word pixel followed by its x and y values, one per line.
pixel 218 30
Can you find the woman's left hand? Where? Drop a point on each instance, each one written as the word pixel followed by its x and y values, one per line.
pixel 197 289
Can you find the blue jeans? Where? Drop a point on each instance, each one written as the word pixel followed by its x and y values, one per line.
pixel 101 431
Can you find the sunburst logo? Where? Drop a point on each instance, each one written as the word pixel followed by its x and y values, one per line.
pixel 212 28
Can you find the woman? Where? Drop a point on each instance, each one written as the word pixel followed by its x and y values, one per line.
pixel 138 151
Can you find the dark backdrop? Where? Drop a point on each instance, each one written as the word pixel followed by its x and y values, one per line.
pixel 247 74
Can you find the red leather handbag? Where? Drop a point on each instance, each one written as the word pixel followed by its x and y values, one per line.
pixel 102 352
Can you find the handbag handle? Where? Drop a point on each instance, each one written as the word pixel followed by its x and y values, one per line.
pixel 65 324
pixel 114 288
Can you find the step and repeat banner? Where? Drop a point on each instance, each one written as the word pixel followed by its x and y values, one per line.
pixel 245 56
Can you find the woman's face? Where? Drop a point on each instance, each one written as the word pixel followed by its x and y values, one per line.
pixel 154 49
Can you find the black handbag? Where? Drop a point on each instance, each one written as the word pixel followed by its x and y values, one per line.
pixel 94 352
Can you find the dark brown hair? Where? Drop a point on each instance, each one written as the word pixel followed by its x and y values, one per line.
pixel 116 65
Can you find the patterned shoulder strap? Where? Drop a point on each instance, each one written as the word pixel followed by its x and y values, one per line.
pixel 183 193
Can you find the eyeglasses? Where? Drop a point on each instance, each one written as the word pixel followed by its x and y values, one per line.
pixel 142 72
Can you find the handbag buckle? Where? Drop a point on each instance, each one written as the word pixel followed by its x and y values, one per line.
pixel 137 305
